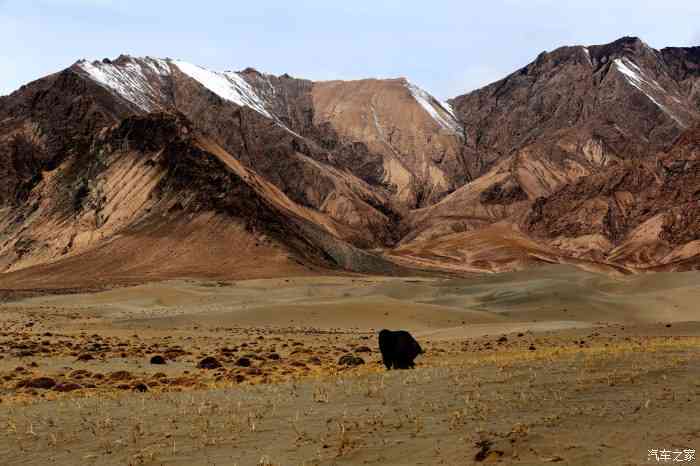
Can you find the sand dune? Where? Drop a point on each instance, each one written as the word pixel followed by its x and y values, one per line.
pixel 550 297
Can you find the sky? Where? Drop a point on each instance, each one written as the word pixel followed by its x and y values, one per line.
pixel 447 47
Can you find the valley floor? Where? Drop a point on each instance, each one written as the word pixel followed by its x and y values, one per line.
pixel 553 365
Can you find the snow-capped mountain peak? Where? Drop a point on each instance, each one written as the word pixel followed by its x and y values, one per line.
pixel 141 81
pixel 137 80
pixel 228 85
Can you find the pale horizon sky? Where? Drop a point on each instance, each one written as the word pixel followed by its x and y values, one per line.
pixel 447 47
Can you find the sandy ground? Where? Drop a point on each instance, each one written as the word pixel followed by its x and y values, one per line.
pixel 550 365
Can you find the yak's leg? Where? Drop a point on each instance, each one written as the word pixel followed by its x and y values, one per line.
pixel 387 363
pixel 401 363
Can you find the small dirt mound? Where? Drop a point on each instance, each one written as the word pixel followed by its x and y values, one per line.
pixel 120 375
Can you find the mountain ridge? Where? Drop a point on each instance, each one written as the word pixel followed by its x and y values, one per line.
pixel 379 170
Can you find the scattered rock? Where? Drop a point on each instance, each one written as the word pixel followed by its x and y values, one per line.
pixel 350 360
pixel 79 374
pixel 209 362
pixel 67 387
pixel 44 383
pixel 158 359
pixel 243 362
pixel 485 452
pixel 141 387
pixel 85 357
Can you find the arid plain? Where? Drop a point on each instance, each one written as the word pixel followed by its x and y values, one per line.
pixel 554 364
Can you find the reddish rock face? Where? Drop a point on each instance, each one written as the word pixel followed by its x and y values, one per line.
pixel 587 153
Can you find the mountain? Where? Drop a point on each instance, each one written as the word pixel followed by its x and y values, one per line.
pixel 639 213
pixel 568 114
pixel 412 140
pixel 572 114
pixel 83 174
pixel 132 168
pixel 153 197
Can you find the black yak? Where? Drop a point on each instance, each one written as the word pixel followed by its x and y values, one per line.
pixel 398 348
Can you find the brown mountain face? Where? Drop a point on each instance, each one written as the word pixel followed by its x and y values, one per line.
pixel 586 155
pixel 639 213
pixel 420 151
pixel 622 100
pixel 46 122
pixel 155 198
pixel 568 114
pixel 574 113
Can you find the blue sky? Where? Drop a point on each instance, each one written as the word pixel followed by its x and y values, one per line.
pixel 447 47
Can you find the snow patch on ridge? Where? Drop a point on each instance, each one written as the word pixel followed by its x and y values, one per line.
pixel 227 85
pixel 636 78
pixel 140 80
pixel 588 55
pixel 442 113
pixel 129 80
pixel 231 86
pixel 448 108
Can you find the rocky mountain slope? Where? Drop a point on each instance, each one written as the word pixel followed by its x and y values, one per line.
pixel 575 114
pixel 570 113
pixel 585 155
pixel 153 197
pixel 637 213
